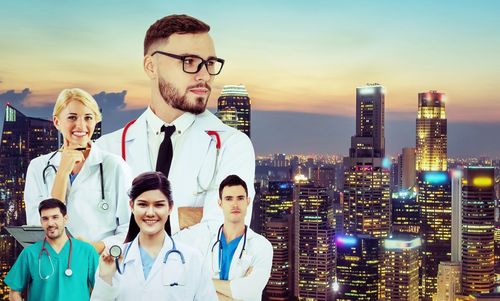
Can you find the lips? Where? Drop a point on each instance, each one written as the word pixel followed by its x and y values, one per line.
pixel 199 91
pixel 150 221
pixel 79 133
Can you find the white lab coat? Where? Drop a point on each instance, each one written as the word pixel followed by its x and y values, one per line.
pixel 194 155
pixel 193 278
pixel 258 254
pixel 85 219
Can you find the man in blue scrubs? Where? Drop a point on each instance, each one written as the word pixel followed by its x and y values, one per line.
pixel 57 268
pixel 244 257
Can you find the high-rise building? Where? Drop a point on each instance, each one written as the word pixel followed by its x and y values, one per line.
pixel 434 199
pixel 449 281
pixel 407 169
pixel 369 140
pixel 279 232
pixel 229 116
pixel 314 243
pixel 405 212
pixel 357 268
pixel 497 254
pixel 456 215
pixel 23 139
pixel 400 274
pixel 235 97
pixel 431 142
pixel 276 208
pixel 478 219
pixel 367 199
pixel 366 176
pixel 278 200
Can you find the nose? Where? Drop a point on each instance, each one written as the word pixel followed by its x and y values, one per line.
pixel 203 74
pixel 150 211
pixel 80 123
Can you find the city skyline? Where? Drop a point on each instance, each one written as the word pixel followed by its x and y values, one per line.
pixel 308 63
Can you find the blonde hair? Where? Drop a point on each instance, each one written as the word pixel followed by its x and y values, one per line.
pixel 68 95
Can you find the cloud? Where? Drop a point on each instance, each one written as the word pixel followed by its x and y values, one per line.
pixel 14 98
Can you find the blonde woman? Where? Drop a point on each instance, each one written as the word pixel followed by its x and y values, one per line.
pixel 91 182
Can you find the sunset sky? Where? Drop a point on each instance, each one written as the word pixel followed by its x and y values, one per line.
pixel 301 56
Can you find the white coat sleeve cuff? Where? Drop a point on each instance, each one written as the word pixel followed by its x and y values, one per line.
pixel 174 220
pixel 104 291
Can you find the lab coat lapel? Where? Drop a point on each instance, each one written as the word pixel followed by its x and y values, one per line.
pixel 239 266
pixel 90 167
pixel 134 263
pixel 193 152
pixel 136 146
pixel 157 267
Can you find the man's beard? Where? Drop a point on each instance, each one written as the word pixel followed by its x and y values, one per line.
pixel 172 97
pixel 58 233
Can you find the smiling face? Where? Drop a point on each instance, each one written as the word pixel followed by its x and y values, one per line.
pixel 53 222
pixel 76 122
pixel 182 91
pixel 151 210
pixel 234 204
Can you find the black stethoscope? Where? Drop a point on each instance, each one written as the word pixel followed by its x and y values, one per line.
pixel 218 241
pixel 103 204
pixel 68 272
pixel 115 251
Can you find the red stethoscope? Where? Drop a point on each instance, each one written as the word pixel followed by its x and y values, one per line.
pixel 210 133
pixel 68 272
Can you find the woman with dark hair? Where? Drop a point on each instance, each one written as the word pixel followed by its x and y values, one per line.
pixel 152 265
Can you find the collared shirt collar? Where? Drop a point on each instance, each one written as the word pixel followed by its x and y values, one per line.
pixel 182 123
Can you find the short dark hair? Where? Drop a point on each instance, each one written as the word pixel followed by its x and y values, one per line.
pixel 147 181
pixel 232 180
pixel 52 203
pixel 165 27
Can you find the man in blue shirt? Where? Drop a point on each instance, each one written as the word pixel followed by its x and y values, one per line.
pixel 57 268
pixel 244 258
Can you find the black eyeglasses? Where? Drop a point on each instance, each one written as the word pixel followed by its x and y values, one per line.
pixel 192 63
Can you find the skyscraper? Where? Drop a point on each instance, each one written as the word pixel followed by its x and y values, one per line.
pixel 432 141
pixel 357 268
pixel 434 199
pixel 279 233
pixel 366 176
pixel 235 98
pixel 478 224
pixel 23 138
pixel 314 243
pixel 407 172
pixel 449 280
pixel 276 208
pixel 405 212
pixel 369 140
pixel 400 276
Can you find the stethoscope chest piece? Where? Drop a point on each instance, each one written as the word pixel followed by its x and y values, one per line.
pixel 103 205
pixel 68 272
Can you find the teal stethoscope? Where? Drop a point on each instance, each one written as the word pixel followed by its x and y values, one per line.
pixel 115 251
pixel 204 188
pixel 68 272
pixel 103 204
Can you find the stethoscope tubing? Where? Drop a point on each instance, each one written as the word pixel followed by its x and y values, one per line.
pixel 218 241
pixel 68 271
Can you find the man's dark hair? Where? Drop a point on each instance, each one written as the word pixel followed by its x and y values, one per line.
pixel 232 180
pixel 167 26
pixel 52 203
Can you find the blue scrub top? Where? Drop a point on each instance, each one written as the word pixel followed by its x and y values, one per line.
pixel 25 271
pixel 226 256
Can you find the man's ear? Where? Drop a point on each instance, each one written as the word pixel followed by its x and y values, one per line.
pixel 219 201
pixel 149 66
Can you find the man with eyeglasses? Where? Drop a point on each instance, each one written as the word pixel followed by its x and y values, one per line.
pixel 176 134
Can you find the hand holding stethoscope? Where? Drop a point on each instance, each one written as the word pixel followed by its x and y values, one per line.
pixel 107 266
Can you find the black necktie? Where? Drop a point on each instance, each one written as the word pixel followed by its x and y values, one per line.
pixel 164 160
pixel 166 151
